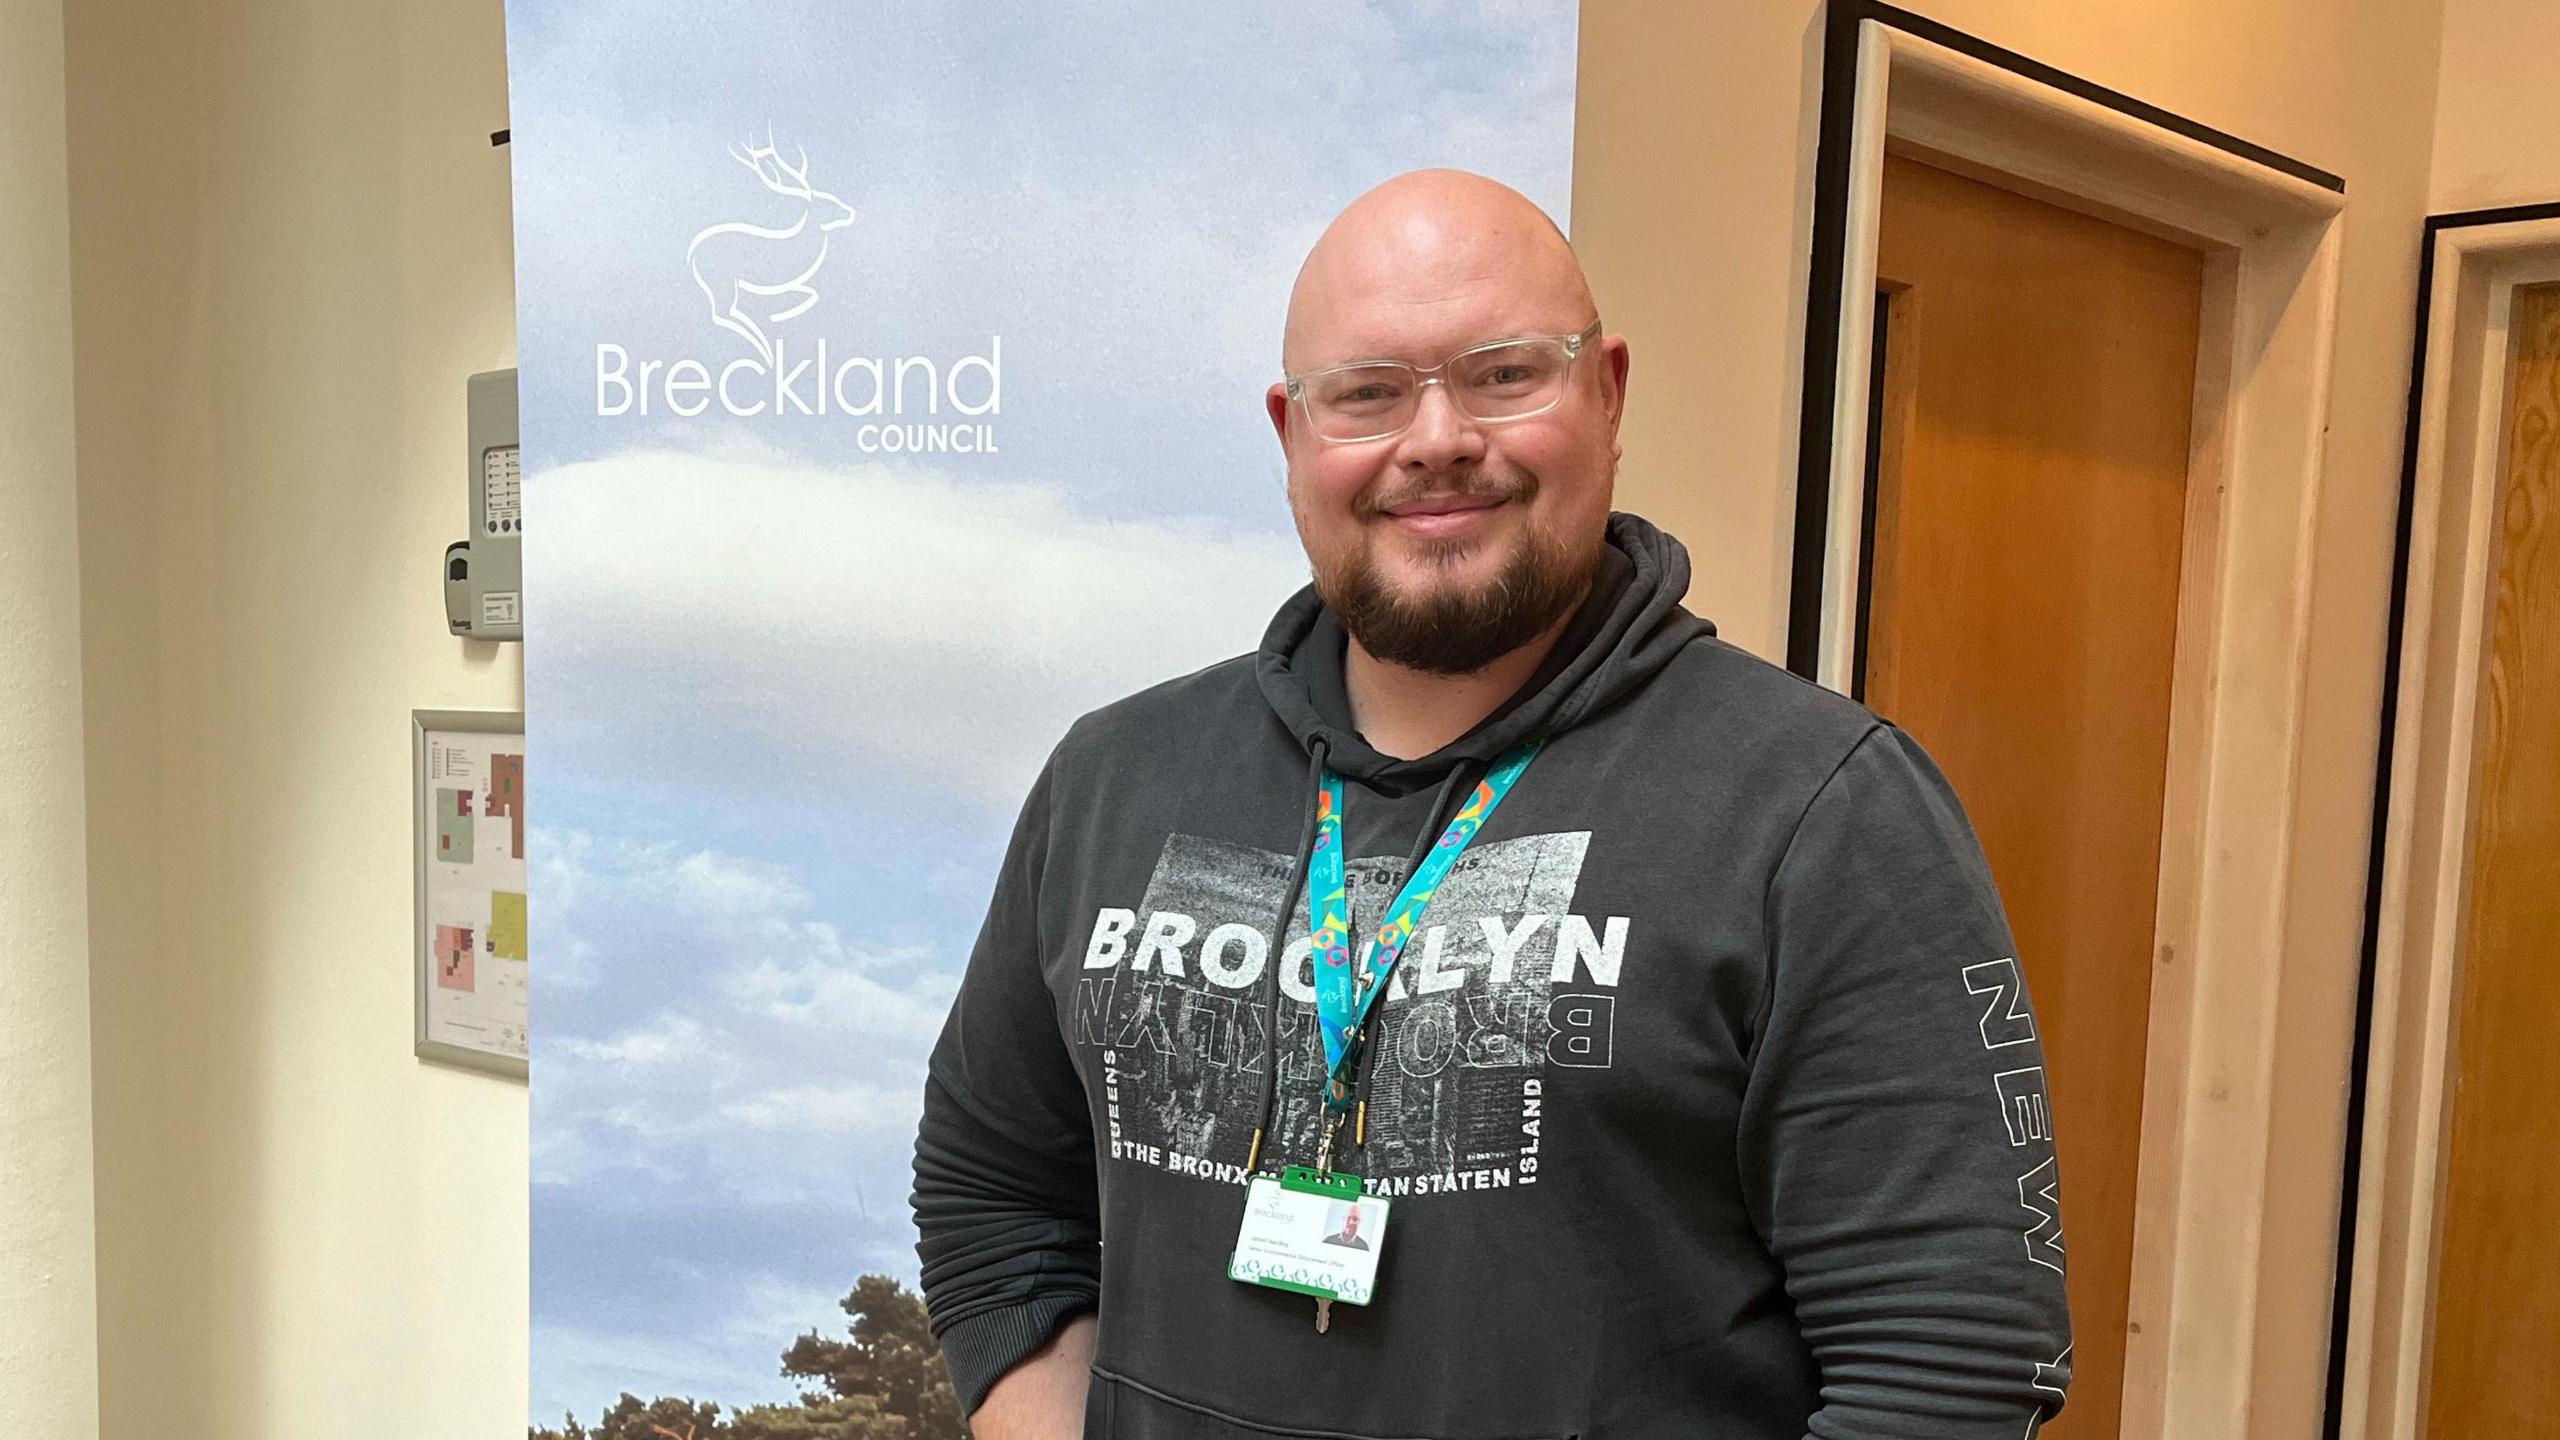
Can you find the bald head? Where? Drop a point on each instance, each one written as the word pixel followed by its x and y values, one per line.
pixel 1432 254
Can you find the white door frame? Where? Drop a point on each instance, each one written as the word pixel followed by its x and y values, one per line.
pixel 2453 486
pixel 2209 1196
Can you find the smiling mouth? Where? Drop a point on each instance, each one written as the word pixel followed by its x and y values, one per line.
pixel 1442 518
pixel 1443 504
pixel 1468 497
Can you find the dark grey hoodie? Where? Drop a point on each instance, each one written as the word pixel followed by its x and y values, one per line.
pixel 1708 1097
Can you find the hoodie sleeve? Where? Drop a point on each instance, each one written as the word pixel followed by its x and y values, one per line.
pixel 1007 1220
pixel 1896 1139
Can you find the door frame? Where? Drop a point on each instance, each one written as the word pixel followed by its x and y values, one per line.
pixel 2417 894
pixel 2210 1197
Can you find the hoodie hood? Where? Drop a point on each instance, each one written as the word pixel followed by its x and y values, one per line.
pixel 1628 627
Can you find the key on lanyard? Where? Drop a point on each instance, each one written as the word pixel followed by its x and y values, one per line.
pixel 1324 1162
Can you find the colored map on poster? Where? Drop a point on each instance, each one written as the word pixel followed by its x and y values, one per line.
pixel 506 924
pixel 506 797
pixel 453 826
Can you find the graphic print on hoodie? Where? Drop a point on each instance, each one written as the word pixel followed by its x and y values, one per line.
pixel 1716 1106
pixel 1503 980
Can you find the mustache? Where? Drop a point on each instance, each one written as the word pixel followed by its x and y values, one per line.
pixel 1472 485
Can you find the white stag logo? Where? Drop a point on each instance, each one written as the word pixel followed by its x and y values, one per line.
pixel 736 264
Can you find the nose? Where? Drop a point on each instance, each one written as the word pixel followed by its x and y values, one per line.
pixel 1442 436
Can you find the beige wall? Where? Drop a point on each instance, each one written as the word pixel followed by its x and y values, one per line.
pixel 1692 202
pixel 48 1280
pixel 2497 138
pixel 291 241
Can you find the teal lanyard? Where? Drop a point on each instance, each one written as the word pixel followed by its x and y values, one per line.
pixel 1344 994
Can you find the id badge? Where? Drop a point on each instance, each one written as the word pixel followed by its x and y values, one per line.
pixel 1310 1232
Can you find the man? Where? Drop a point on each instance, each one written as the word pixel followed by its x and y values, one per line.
pixel 1348 1237
pixel 1684 1088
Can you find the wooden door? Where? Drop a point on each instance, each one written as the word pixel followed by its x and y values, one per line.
pixel 2027 505
pixel 2496 1339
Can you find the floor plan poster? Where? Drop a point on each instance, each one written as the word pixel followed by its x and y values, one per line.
pixel 892 384
pixel 471 889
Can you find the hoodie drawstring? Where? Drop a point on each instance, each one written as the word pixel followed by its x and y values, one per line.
pixel 1431 822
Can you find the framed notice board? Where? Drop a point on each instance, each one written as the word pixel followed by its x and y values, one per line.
pixel 469 830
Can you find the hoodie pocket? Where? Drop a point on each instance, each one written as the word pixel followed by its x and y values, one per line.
pixel 1120 1408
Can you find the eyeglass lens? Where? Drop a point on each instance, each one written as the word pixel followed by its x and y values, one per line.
pixel 1360 401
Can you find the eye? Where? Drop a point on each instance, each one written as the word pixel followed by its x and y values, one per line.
pixel 1363 389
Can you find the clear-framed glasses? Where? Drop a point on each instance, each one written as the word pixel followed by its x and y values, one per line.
pixel 1491 383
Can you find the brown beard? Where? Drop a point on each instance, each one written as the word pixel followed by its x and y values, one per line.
pixel 1454 631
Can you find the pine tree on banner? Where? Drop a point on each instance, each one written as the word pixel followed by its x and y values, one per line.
pixel 892 1357
pixel 886 1383
pixel 852 1417
pixel 631 1418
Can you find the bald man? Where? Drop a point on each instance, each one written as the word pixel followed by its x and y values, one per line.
pixel 1663 999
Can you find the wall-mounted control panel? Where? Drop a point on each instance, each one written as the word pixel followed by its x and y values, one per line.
pixel 484 575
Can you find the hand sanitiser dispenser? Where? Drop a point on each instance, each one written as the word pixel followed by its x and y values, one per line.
pixel 484 575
